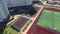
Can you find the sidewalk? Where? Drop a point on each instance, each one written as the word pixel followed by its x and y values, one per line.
pixel 32 21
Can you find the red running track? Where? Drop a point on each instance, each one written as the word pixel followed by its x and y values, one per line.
pixel 41 30
pixel 53 9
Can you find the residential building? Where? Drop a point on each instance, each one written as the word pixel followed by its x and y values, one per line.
pixel 13 3
pixel 3 11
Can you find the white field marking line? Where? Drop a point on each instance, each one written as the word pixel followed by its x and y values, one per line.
pixel 32 22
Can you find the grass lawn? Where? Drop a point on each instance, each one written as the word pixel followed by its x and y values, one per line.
pixel 50 19
pixel 10 30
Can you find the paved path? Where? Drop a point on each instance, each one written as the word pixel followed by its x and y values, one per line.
pixel 25 32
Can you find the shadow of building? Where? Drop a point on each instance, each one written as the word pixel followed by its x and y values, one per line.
pixel 23 10
pixel 3 24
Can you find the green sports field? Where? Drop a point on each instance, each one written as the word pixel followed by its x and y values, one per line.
pixel 50 19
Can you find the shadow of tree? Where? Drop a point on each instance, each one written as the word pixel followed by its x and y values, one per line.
pixel 3 25
pixel 23 10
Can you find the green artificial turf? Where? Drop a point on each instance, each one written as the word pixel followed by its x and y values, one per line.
pixel 50 20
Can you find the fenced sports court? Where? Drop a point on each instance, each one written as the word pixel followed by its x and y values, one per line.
pixel 18 25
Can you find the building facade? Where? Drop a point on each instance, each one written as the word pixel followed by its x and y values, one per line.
pixel 12 3
pixel 3 11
